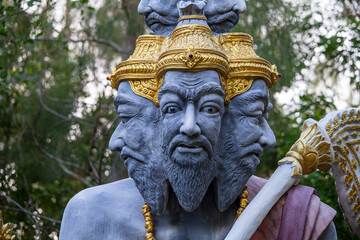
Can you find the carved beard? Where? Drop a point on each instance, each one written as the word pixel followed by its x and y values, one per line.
pixel 234 172
pixel 150 181
pixel 190 181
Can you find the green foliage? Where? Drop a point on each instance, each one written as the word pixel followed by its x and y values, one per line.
pixel 341 48
pixel 272 24
pixel 56 116
pixel 53 142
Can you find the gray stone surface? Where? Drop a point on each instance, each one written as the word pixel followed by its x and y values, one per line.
pixel 244 136
pixel 161 15
pixel 191 105
pixel 136 139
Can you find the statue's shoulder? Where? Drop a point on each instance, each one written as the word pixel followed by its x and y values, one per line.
pixel 114 207
pixel 119 194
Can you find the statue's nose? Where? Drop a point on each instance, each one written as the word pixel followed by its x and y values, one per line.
pixel 267 138
pixel 144 7
pixel 240 6
pixel 189 126
pixel 116 142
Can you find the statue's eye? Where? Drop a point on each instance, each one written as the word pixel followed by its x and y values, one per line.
pixel 209 110
pixel 124 119
pixel 256 119
pixel 172 109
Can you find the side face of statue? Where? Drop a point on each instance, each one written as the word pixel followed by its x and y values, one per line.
pixel 224 15
pixel 160 15
pixel 245 134
pixel 136 140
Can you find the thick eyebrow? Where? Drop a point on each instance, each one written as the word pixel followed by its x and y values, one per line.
pixel 199 92
pixel 210 88
pixel 172 89
pixel 121 100
pixel 253 97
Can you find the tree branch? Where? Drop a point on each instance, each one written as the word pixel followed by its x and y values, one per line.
pixel 92 146
pixel 61 163
pixel 73 119
pixel 89 39
pixel 109 43
pixel 3 194
pixel 105 144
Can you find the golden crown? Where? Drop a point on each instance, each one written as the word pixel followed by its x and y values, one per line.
pixel 192 47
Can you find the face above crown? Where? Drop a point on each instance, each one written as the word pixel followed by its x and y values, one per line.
pixel 161 15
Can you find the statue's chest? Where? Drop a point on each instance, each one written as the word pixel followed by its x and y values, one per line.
pixel 191 228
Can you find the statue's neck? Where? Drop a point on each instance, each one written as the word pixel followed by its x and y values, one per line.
pixel 206 222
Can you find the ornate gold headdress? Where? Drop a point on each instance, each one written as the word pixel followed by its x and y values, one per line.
pixel 192 47
pixel 245 65
pixel 140 69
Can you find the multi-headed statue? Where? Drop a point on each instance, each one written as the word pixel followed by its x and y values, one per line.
pixel 193 102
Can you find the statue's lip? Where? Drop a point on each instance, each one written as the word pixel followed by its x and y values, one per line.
pixel 155 17
pixel 254 149
pixel 184 144
pixel 127 153
pixel 189 148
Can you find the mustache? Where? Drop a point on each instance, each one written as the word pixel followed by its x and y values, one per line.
pixel 216 19
pixel 127 152
pixel 200 141
pixel 154 17
pixel 253 149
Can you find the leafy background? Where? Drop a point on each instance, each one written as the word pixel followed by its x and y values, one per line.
pixel 56 113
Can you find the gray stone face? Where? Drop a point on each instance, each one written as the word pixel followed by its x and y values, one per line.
pixel 161 15
pixel 224 14
pixel 137 141
pixel 191 105
pixel 245 134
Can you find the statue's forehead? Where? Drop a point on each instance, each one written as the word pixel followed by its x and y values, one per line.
pixel 260 85
pixel 259 92
pixel 191 80
pixel 127 96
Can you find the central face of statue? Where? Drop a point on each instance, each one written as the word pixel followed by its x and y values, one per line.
pixel 191 106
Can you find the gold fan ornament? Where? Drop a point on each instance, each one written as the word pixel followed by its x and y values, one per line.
pixel 6 230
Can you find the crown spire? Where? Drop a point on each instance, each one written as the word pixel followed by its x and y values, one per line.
pixel 192 12
pixel 191 7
